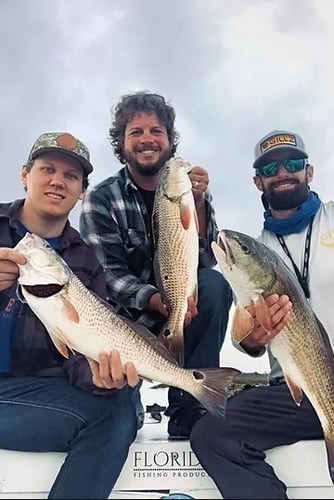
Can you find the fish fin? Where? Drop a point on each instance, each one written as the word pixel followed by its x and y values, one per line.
pixel 242 324
pixel 329 441
pixel 213 386
pixel 262 313
pixel 295 390
pixel 185 214
pixel 176 348
pixel 69 311
pixel 324 335
pixel 60 342
pixel 150 338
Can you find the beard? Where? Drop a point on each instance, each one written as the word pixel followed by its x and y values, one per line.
pixel 286 200
pixel 145 170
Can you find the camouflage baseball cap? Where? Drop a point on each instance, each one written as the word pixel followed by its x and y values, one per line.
pixel 64 143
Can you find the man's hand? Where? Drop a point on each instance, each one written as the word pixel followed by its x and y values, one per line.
pixel 192 311
pixel 200 181
pixel 280 310
pixel 155 304
pixel 9 271
pixel 108 372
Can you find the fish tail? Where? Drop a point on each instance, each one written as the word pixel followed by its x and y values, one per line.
pixel 214 388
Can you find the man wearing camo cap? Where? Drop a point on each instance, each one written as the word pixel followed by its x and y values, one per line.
pixel 47 402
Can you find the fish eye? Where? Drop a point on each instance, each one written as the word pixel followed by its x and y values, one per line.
pixel 245 248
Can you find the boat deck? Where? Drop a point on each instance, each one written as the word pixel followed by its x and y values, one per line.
pixel 157 467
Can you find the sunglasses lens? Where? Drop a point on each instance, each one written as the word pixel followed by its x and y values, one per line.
pixel 294 165
pixel 268 170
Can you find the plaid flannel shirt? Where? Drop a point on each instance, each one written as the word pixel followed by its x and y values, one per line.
pixel 115 222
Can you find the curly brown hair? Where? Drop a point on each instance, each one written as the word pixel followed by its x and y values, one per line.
pixel 137 102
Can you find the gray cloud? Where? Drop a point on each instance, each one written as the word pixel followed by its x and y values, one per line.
pixel 233 71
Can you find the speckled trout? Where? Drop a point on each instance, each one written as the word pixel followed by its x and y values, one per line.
pixel 175 232
pixel 302 347
pixel 77 320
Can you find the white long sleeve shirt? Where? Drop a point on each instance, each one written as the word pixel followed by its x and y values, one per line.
pixel 321 268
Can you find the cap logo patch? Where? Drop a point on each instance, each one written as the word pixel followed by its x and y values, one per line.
pixel 278 140
pixel 67 141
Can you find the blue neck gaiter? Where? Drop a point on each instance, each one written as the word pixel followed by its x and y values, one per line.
pixel 295 222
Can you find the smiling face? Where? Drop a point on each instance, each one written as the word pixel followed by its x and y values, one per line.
pixel 53 186
pixel 285 191
pixel 146 144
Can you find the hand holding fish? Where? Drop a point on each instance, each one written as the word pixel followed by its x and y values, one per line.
pixel 9 270
pixel 192 311
pixel 156 304
pixel 200 181
pixel 108 372
pixel 279 309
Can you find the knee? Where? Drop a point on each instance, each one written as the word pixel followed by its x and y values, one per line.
pixel 201 438
pixel 127 430
pixel 213 438
pixel 120 413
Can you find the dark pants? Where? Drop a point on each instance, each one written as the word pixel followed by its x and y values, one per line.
pixel 48 414
pixel 204 337
pixel 231 450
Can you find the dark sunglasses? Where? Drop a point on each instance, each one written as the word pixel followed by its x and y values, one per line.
pixel 290 165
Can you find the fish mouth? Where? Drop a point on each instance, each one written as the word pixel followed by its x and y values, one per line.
pixel 226 249
pixel 43 290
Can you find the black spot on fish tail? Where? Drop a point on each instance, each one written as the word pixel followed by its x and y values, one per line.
pixel 214 388
pixel 166 332
pixel 43 290
pixel 198 375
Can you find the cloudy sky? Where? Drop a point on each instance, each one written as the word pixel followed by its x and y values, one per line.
pixel 233 71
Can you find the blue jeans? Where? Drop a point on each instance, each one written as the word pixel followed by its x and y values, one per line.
pixel 48 414
pixel 205 335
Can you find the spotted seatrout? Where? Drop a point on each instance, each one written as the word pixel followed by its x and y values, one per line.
pixel 77 320
pixel 302 347
pixel 175 230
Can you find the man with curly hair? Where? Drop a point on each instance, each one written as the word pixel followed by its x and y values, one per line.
pixel 116 221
